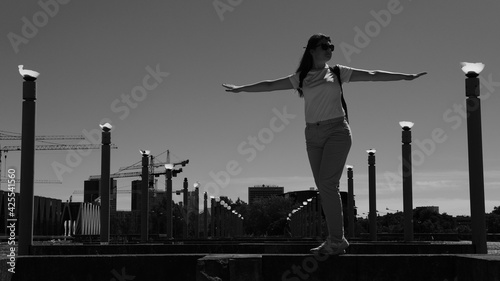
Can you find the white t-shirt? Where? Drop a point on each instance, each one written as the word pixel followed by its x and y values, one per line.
pixel 322 100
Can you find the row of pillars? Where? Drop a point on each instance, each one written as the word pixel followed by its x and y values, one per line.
pixel 476 177
pixel 169 173
pixel 224 222
pixel 306 220
pixel 407 186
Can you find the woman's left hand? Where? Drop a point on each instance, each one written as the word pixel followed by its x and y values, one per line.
pixel 232 88
pixel 415 76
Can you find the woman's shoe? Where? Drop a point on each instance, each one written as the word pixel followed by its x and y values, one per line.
pixel 331 248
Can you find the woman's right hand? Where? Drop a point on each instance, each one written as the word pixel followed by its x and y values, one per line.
pixel 232 88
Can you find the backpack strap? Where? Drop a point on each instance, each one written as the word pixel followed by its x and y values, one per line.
pixel 336 70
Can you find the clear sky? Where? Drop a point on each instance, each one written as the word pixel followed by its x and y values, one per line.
pixel 154 70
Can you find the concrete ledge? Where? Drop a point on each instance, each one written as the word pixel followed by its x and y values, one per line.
pixel 105 268
pixel 406 267
pixel 478 267
pixel 381 267
pixel 415 248
pixel 291 267
pixel 359 267
pixel 309 267
pixel 249 248
pixel 230 267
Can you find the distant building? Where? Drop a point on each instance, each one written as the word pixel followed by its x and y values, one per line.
pixel 47 214
pixel 263 191
pixel 91 192
pixel 112 197
pixel 136 197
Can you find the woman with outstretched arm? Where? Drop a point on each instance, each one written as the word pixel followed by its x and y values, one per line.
pixel 327 132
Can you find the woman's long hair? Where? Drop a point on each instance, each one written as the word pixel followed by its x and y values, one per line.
pixel 306 63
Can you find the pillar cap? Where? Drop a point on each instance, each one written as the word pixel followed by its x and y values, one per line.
pixel 106 127
pixel 28 75
pixel 472 70
pixel 406 125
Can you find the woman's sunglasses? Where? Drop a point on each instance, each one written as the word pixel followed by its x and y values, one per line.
pixel 325 46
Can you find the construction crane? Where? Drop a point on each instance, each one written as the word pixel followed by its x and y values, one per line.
pixel 153 165
pixel 53 147
pixel 138 165
pixel 57 147
pixel 5 180
pixel 117 191
pixel 15 136
pixel 4 135
pixel 155 169
pixel 118 175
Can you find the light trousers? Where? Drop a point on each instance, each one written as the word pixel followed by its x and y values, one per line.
pixel 328 143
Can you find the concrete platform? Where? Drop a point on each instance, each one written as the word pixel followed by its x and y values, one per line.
pixel 233 247
pixel 252 260
pixel 103 267
pixel 254 267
